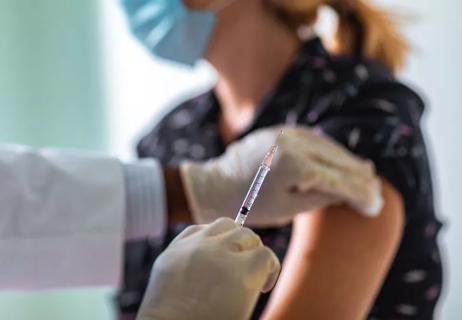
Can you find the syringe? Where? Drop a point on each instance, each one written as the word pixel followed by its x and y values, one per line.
pixel 257 182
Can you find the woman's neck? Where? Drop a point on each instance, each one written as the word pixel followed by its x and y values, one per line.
pixel 250 51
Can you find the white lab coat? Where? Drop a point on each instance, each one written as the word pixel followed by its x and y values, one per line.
pixel 61 219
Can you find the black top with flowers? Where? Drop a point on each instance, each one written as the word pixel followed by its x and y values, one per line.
pixel 361 105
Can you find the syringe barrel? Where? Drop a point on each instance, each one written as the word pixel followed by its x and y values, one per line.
pixel 255 187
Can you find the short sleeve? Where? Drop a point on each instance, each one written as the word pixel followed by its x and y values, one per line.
pixel 382 123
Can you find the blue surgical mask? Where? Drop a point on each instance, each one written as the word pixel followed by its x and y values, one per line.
pixel 169 29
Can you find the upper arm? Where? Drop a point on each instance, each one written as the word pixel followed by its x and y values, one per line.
pixel 337 261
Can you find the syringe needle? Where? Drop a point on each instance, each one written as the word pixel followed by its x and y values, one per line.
pixel 272 151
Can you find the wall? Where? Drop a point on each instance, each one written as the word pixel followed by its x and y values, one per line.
pixel 50 84
pixel 51 95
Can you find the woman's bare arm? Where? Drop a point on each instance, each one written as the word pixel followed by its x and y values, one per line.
pixel 337 261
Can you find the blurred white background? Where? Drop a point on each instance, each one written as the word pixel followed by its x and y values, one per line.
pixel 136 89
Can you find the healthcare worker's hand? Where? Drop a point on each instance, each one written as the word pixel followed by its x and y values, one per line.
pixel 211 271
pixel 308 172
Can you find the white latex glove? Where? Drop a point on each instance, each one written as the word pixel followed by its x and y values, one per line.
pixel 211 271
pixel 308 172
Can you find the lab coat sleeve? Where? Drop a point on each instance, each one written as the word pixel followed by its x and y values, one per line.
pixel 62 219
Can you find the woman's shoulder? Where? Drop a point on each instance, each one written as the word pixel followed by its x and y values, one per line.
pixel 368 84
pixel 379 118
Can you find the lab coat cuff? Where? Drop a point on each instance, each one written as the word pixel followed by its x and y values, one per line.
pixel 145 201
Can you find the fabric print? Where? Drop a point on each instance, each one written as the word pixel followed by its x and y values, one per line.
pixel 362 106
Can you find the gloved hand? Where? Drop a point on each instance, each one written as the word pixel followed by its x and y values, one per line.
pixel 211 271
pixel 308 172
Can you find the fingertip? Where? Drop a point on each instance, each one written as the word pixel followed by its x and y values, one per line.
pixel 270 282
pixel 268 259
pixel 274 268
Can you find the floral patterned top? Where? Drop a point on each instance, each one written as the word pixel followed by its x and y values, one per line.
pixel 360 104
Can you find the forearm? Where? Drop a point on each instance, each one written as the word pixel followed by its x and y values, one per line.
pixel 177 204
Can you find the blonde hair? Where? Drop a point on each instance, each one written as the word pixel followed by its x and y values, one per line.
pixel 363 28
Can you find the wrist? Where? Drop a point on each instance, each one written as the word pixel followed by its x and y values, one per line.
pixel 177 204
